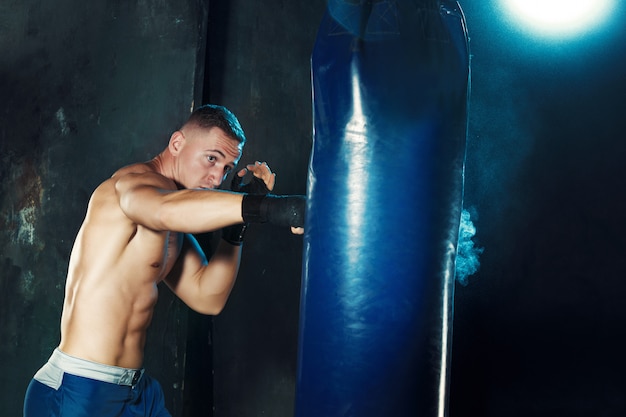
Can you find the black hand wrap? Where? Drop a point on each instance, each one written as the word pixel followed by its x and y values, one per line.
pixel 234 234
pixel 255 186
pixel 280 210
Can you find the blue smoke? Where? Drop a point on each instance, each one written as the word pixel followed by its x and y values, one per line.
pixel 467 262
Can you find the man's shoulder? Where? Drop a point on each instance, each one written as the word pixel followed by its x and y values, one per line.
pixel 143 173
pixel 137 168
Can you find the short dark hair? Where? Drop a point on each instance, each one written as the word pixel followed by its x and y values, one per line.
pixel 212 115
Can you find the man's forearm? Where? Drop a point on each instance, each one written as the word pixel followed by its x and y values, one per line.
pixel 218 278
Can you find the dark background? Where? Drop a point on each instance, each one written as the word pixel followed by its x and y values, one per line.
pixel 88 87
pixel 540 329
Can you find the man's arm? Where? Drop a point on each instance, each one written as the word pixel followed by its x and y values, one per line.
pixel 153 201
pixel 204 286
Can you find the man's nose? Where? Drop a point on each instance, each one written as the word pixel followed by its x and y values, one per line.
pixel 216 177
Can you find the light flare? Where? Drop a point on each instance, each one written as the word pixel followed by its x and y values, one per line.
pixel 558 18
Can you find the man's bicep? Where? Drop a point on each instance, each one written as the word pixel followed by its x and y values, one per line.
pixel 183 279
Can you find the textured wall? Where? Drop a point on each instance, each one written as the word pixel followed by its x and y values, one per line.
pixel 85 87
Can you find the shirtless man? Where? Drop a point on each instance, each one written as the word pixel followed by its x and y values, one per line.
pixel 137 233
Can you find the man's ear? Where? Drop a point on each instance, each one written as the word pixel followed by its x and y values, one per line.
pixel 176 142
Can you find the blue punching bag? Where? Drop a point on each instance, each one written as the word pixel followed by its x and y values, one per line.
pixel 385 187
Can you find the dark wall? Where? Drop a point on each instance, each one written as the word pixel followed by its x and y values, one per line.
pixel 259 55
pixel 85 87
pixel 540 330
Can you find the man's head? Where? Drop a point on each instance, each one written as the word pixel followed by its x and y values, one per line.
pixel 211 115
pixel 206 148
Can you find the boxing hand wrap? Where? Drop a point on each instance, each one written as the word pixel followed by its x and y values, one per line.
pixel 234 234
pixel 280 210
pixel 254 186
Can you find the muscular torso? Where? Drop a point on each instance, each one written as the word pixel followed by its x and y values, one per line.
pixel 111 287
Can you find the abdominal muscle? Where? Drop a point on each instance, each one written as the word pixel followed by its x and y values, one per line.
pixel 108 326
pixel 111 288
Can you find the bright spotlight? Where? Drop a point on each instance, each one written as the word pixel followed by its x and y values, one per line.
pixel 558 18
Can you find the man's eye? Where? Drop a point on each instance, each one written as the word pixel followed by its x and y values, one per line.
pixel 211 158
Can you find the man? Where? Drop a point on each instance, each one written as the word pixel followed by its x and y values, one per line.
pixel 136 233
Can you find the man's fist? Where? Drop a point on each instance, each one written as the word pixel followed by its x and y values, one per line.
pixel 281 210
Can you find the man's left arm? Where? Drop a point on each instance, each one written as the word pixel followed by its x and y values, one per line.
pixel 204 286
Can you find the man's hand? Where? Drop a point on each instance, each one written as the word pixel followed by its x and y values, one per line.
pixel 261 183
pixel 279 210
pixel 260 171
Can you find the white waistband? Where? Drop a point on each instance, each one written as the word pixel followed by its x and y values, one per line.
pixel 88 369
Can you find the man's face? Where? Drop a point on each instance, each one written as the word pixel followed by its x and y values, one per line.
pixel 205 157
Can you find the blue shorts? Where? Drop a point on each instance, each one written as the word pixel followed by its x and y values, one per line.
pixel 71 387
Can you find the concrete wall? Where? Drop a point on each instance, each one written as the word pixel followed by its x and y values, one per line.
pixel 85 87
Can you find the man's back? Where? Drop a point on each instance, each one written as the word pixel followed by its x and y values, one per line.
pixel 113 274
